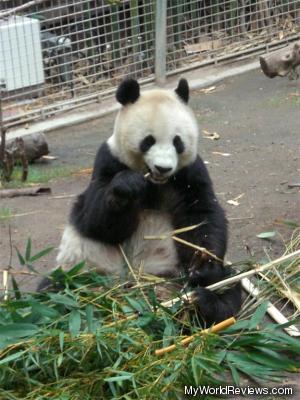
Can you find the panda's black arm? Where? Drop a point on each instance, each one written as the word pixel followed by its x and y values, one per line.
pixel 198 205
pixel 108 209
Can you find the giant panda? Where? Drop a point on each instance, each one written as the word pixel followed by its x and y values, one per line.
pixel 149 181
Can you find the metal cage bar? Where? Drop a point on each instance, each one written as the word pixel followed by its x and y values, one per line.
pixel 55 56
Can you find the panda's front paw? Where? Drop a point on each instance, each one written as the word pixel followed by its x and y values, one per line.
pixel 207 304
pixel 205 272
pixel 126 187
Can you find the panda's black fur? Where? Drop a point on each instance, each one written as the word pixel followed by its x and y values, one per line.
pixel 108 211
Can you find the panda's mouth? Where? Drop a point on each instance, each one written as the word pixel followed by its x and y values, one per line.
pixel 156 178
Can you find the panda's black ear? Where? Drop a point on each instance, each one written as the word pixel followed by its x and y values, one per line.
pixel 182 90
pixel 128 91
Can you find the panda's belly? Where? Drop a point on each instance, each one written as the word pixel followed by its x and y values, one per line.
pixel 153 256
pixel 150 256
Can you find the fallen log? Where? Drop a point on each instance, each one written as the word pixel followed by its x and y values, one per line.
pixel 282 62
pixel 35 146
pixel 32 191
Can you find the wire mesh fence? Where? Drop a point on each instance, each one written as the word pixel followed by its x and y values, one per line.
pixel 214 29
pixel 58 55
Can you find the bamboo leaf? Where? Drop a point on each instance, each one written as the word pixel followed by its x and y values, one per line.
pixel 15 288
pixel 272 362
pixel 266 235
pixel 60 360
pixel 18 330
pixel 258 316
pixel 89 310
pixel 20 257
pixel 234 373
pixel 62 299
pixel 12 357
pixel 45 311
pixel 124 376
pixel 76 269
pixel 28 250
pixel 74 322
pixel 136 305
pixel 61 337
pixel 41 254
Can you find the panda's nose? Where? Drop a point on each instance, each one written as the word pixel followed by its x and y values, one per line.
pixel 162 170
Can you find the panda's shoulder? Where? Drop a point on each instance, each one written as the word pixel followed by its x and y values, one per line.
pixel 106 164
pixel 195 172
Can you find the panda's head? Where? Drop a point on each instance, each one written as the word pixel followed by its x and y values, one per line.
pixel 154 131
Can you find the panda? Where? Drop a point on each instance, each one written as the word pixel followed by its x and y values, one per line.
pixel 148 180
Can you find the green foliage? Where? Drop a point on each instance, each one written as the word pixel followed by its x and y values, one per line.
pixel 96 338
pixel 28 259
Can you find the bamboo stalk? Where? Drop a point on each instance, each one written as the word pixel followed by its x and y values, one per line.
pixel 11 272
pixel 236 278
pixel 5 284
pixel 173 236
pixel 214 329
pixel 194 246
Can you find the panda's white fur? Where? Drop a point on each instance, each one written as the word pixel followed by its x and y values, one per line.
pixel 156 257
pixel 162 114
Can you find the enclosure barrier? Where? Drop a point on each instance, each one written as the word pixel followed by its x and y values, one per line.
pixel 59 55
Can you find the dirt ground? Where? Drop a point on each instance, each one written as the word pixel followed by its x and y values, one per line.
pixel 253 161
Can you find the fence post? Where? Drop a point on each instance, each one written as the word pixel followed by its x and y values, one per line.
pixel 160 41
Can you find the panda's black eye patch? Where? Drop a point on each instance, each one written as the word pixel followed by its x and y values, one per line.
pixel 146 143
pixel 178 144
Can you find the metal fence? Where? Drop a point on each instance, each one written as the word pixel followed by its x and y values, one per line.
pixel 58 55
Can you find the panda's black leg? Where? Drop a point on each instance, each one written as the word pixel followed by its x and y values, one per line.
pixel 215 307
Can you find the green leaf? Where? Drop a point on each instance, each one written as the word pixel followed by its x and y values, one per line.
pixel 89 310
pixel 28 250
pixel 235 374
pixel 266 235
pixel 20 257
pixel 16 288
pixel 136 305
pixel 61 337
pixel 41 254
pixel 124 376
pixel 63 299
pixel 76 269
pixel 271 362
pixel 195 370
pixel 45 311
pixel 243 363
pixel 18 330
pixel 12 357
pixel 74 322
pixel 168 334
pixel 60 360
pixel 258 316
